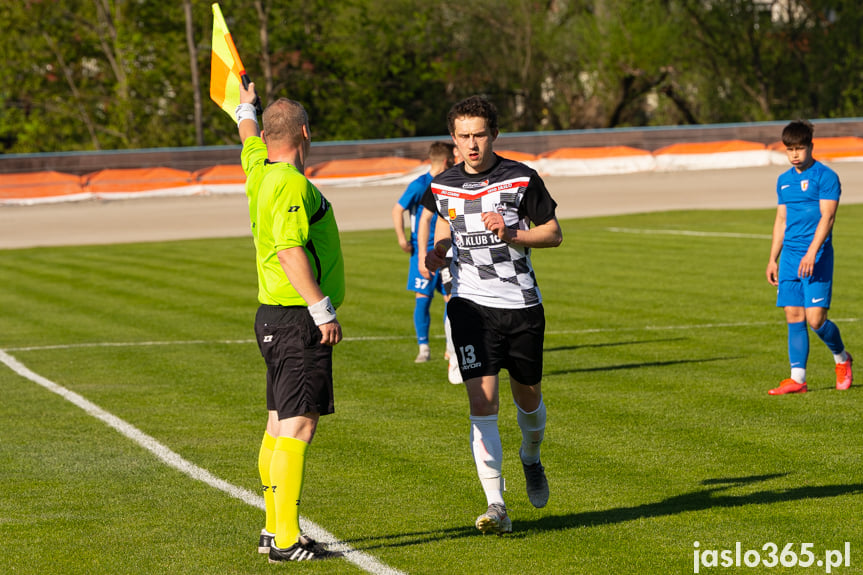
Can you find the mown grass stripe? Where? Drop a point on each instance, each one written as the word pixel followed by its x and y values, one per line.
pixel 690 233
pixel 411 337
pixel 164 453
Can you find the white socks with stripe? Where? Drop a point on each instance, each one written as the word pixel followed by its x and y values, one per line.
pixel 532 427
pixel 488 455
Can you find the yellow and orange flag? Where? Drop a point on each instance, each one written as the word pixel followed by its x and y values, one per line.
pixel 226 69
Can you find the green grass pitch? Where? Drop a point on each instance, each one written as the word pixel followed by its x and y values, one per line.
pixel 659 351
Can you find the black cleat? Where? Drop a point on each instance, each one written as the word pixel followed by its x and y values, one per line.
pixel 265 541
pixel 536 483
pixel 305 549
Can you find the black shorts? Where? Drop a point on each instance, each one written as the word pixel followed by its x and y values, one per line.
pixel 299 367
pixel 487 339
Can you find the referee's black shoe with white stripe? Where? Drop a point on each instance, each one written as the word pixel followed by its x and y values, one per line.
pixel 305 549
pixel 265 541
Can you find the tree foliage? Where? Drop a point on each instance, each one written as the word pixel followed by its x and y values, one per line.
pixel 114 74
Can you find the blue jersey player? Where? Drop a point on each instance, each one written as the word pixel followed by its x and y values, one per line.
pixel 441 158
pixel 808 196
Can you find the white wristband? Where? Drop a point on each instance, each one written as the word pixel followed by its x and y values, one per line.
pixel 246 112
pixel 323 311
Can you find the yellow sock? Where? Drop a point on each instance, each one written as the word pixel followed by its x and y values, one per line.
pixel 265 457
pixel 286 474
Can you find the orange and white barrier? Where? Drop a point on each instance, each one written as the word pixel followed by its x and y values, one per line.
pixel 222 179
pixel 598 161
pixel 846 149
pixel 356 172
pixel 140 182
pixel 711 156
pixel 52 186
pixel 41 187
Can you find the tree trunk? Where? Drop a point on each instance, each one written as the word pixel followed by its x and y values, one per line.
pixel 193 66
pixel 263 17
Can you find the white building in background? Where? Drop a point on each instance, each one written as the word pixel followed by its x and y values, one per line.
pixel 783 10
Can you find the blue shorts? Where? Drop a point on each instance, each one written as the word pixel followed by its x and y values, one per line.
pixel 417 283
pixel 813 291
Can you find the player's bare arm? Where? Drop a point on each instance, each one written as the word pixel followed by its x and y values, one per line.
pixel 295 263
pixel 248 127
pixel 772 270
pixel 547 235
pixel 423 227
pixel 436 258
pixel 825 226
pixel 399 225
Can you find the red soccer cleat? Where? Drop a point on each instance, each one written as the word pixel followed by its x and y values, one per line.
pixel 788 386
pixel 843 374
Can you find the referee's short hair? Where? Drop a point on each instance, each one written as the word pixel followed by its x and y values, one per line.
pixel 284 120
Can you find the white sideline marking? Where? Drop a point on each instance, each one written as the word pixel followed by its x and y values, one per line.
pixel 190 342
pixel 412 337
pixel 684 327
pixel 362 560
pixel 691 233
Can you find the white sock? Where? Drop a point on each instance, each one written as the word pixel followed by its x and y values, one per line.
pixel 798 374
pixel 488 455
pixel 532 432
pixel 840 357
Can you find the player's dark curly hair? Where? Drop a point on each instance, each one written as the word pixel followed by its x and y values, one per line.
pixel 798 133
pixel 473 107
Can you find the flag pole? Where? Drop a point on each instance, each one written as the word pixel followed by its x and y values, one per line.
pixel 219 24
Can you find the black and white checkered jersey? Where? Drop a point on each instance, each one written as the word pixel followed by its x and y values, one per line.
pixel 486 270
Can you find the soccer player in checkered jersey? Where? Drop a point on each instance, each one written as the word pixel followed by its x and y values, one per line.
pixel 492 212
pixel 802 232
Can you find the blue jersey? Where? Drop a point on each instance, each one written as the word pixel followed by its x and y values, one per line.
pixel 411 201
pixel 801 193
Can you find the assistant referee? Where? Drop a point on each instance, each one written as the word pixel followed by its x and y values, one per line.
pixel 301 282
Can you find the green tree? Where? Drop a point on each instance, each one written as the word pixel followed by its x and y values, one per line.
pixel 564 64
pixel 363 68
pixel 770 60
pixel 48 81
pixel 108 74
pixel 837 54
pixel 95 74
pixel 640 63
pixel 523 54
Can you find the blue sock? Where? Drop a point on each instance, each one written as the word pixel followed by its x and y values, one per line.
pixel 798 344
pixel 829 334
pixel 422 319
